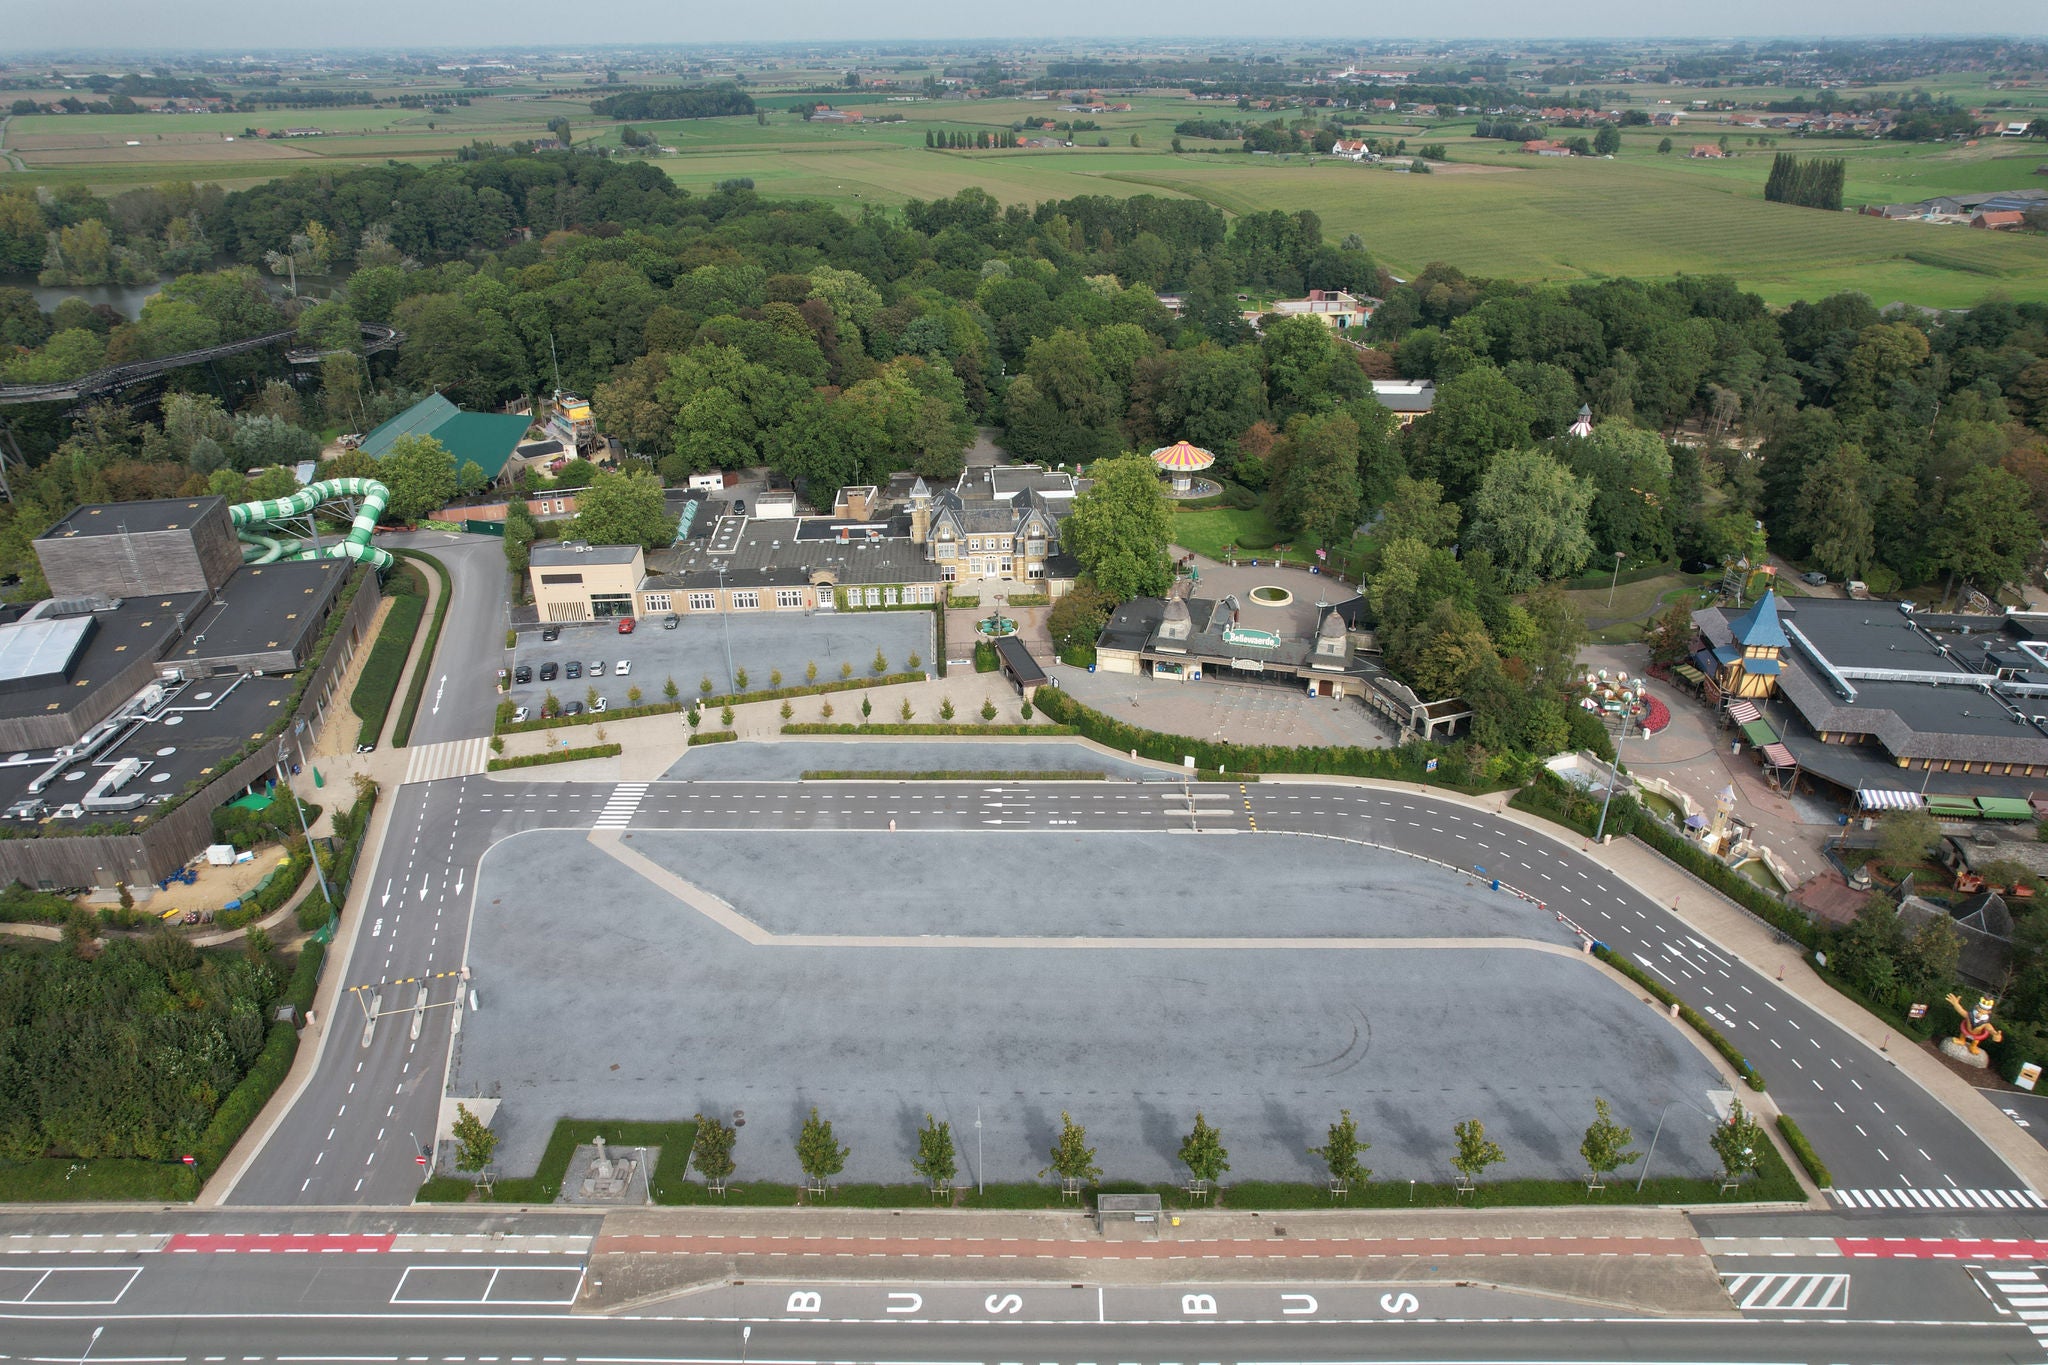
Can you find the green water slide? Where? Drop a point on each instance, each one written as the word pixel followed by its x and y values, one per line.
pixel 253 520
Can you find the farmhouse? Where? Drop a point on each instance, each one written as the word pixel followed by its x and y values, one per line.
pixel 1706 151
pixel 1334 307
pixel 1998 220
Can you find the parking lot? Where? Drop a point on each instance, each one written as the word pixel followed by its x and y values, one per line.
pixel 761 643
pixel 622 1001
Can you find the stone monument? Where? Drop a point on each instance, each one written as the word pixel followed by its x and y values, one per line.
pixel 606 1181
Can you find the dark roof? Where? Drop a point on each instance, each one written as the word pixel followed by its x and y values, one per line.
pixel 773 554
pixel 1981 922
pixel 1017 661
pixel 141 627
pixel 114 518
pixel 264 607
pixel 1132 624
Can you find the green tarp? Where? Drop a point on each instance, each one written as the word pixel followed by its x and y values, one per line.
pixel 2005 808
pixel 1955 807
pixel 253 801
pixel 1759 733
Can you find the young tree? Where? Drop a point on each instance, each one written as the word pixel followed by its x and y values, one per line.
pixel 1203 1153
pixel 711 1153
pixel 1605 1146
pixel 825 711
pixel 739 680
pixel 936 1162
pixel 946 708
pixel 867 708
pixel 811 671
pixel 669 688
pixel 988 710
pixel 906 711
pixel 1739 1143
pixel 775 677
pixel 1340 1152
pixel 1475 1150
pixel 474 1143
pixel 694 717
pixel 725 717
pixel 704 684
pixel 633 695
pixel 787 710
pixel 1904 837
pixel 420 473
pixel 1073 1160
pixel 881 663
pixel 845 671
pixel 818 1152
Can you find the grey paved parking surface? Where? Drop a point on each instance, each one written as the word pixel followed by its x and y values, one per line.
pixel 790 758
pixel 1241 712
pixel 761 643
pixel 622 1003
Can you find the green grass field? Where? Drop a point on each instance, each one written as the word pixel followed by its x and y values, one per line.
pixel 1493 212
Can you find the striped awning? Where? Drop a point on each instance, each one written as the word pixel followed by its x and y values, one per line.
pixel 1778 756
pixel 1180 457
pixel 1885 798
pixel 1742 713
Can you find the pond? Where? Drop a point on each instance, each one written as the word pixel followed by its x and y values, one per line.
pixel 125 299
pixel 1758 871
pixel 1662 806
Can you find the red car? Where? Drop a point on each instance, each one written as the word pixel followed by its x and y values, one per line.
pixel 625 625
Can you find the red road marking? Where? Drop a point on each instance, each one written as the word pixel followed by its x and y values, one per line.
pixel 1946 1248
pixel 281 1242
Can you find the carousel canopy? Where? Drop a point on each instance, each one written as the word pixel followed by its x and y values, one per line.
pixel 1182 458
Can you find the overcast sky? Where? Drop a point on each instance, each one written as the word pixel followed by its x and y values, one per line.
pixel 30 25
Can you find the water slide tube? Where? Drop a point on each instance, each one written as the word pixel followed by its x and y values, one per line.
pixel 259 548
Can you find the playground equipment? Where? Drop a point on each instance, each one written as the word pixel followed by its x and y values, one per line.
pixel 258 548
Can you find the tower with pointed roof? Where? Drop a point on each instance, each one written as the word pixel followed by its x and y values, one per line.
pixel 1749 663
pixel 920 512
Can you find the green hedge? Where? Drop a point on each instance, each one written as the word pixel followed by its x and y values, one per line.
pixel 711 737
pixel 378 681
pixel 246 1100
pixel 284 881
pixel 659 708
pixel 401 731
pixel 985 660
pixel 1803 1149
pixel 1728 882
pixel 1692 1018
pixel 917 728
pixel 655 708
pixel 1029 599
pixel 305 982
pixel 1404 764
pixel 316 910
pixel 1557 800
pixel 498 765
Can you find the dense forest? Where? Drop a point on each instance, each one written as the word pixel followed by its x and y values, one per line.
pixel 723 329
pixel 126 1050
pixel 713 101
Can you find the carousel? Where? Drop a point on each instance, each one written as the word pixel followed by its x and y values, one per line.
pixel 1180 462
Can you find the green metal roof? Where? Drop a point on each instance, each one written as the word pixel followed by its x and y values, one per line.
pixel 1759 733
pixel 488 438
pixel 2006 807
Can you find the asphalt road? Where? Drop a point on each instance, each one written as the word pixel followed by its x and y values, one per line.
pixel 347 1138
pixel 462 695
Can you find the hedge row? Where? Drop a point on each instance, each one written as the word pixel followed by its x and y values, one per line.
pixel 246 1100
pixel 1560 802
pixel 657 708
pixel 800 728
pixel 305 980
pixel 712 737
pixel 1687 1013
pixel 316 910
pixel 997 775
pixel 378 681
pixel 1030 599
pixel 1803 1149
pixel 401 731
pixel 1728 881
pixel 1405 764
pixel 812 689
pixel 498 765
pixel 283 882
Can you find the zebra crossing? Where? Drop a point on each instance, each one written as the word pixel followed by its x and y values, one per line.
pixel 618 812
pixel 1932 1197
pixel 455 758
pixel 2024 1293
pixel 1800 1292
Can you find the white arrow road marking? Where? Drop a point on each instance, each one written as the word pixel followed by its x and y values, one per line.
pixel 458 881
pixel 386 899
pixel 437 694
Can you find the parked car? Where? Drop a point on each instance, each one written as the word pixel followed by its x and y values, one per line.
pixel 597 668
pixel 551 671
pixel 622 668
pixel 670 621
pixel 523 674
pixel 599 705
pixel 574 708
pixel 575 671
pixel 551 633
pixel 739 507
pixel 1813 580
pixel 625 625
pixel 519 715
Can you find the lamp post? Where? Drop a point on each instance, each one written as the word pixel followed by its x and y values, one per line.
pixel 1660 1132
pixel 303 829
pixel 725 627
pixel 980 1183
pixel 1613 780
pixel 1614 582
pixel 91 1342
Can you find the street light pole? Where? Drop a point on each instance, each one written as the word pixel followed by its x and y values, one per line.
pixel 303 829
pixel 91 1342
pixel 1660 1133
pixel 1616 580
pixel 1613 780
pixel 980 1183
pixel 725 626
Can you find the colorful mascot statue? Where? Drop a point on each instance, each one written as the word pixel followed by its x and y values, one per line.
pixel 1976 1026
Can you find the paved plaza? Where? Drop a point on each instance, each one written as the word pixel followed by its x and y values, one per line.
pixel 1241 712
pixel 786 760
pixel 1267 983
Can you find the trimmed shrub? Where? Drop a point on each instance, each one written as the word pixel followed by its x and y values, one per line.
pixel 1803 1149
pixel 401 731
pixel 378 681
pixel 498 765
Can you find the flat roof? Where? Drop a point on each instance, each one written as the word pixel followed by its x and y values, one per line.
pixel 115 518
pixel 770 554
pixel 204 725
pixel 41 648
pixel 263 607
pixel 139 627
pixel 556 556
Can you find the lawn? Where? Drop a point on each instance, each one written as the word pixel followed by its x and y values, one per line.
pixel 1210 531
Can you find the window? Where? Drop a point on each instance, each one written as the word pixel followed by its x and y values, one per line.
pixel 561 578
pixel 560 505
pixel 889 597
pixel 948 573
pixel 1035 547
pixel 974 567
pixel 1006 565
pixel 789 597
pixel 1037 571
pixel 871 597
pixel 943 550
pixel 703 601
pixel 919 592
pixel 656 601
pixel 745 601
